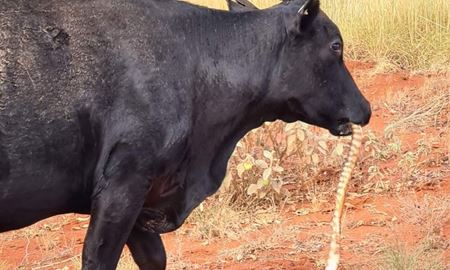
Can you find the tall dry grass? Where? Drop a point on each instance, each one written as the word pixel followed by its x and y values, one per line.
pixel 407 34
pixel 400 34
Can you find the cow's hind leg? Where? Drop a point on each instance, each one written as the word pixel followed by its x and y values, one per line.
pixel 147 250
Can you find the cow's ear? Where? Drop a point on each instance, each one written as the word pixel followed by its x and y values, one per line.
pixel 299 22
pixel 240 6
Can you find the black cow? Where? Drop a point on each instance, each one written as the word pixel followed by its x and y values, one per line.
pixel 129 110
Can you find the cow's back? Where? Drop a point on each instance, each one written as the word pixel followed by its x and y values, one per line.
pixel 47 76
pixel 56 75
pixel 64 67
pixel 56 54
pixel 40 139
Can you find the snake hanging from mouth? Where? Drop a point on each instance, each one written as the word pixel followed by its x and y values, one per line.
pixel 333 257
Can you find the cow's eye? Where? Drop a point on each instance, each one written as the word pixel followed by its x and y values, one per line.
pixel 336 47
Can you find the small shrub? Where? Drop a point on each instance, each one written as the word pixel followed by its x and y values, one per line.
pixel 401 258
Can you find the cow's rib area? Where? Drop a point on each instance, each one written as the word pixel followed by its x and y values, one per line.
pixel 333 257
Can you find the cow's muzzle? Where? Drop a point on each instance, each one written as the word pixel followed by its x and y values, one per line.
pixel 342 129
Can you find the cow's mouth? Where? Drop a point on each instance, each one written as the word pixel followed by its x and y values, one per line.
pixel 342 129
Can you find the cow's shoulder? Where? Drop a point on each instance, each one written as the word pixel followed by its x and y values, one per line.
pixel 154 130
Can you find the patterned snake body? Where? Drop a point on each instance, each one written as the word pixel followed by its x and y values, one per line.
pixel 333 257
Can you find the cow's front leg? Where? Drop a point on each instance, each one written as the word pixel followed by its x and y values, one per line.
pixel 113 215
pixel 147 250
pixel 118 200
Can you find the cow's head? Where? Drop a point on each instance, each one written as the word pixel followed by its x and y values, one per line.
pixel 311 81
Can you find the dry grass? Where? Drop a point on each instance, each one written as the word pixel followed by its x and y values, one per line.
pixel 408 34
pixel 251 248
pixel 277 156
pixel 218 218
pixel 418 258
pixel 401 34
pixel 125 263
pixel 3 265
pixel 428 107
pixel 44 240
pixel 428 215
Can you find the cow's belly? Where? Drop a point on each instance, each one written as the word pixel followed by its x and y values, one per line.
pixel 164 220
pixel 157 221
pixel 170 202
pixel 28 200
pixel 165 208
pixel 39 177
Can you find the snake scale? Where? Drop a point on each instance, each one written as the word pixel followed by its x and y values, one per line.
pixel 333 257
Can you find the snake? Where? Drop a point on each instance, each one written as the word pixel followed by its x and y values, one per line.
pixel 346 174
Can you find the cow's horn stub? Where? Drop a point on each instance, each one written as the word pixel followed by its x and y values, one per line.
pixel 303 10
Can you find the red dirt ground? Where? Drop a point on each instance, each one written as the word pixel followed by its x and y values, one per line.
pixel 289 241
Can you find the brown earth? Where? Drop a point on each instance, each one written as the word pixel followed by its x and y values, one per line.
pixel 289 238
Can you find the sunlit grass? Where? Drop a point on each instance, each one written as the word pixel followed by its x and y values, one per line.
pixel 400 258
pixel 401 34
pixel 408 34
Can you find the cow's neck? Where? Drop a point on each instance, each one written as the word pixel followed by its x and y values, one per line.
pixel 236 55
pixel 234 73
pixel 236 60
pixel 237 52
